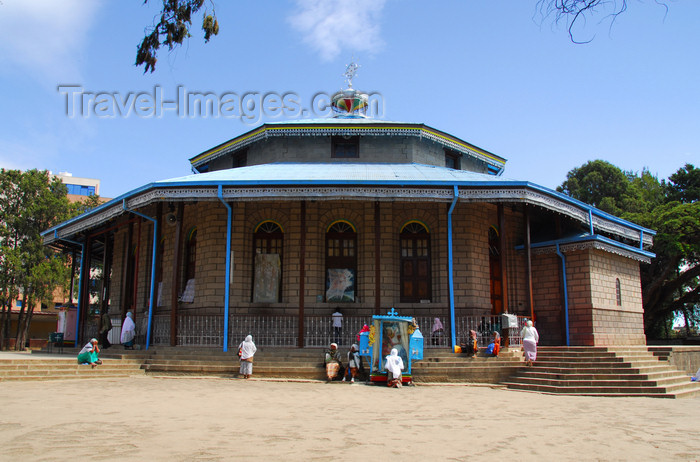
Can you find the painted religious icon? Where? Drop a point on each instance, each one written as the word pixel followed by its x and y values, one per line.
pixel 395 335
pixel 340 285
pixel 267 278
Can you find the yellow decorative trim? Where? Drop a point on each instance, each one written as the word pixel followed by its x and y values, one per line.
pixel 191 233
pixel 354 230
pixel 347 128
pixel 257 227
pixel 427 229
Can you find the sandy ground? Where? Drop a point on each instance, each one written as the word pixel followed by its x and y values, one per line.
pixel 183 419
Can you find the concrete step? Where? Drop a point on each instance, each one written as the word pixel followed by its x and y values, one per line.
pixel 607 383
pixel 81 372
pixel 431 366
pixel 62 377
pixel 630 371
pixel 603 364
pixel 652 392
pixel 528 372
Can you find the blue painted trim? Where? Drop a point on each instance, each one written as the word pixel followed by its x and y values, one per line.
pixel 153 269
pixel 590 221
pixel 197 181
pixel 99 208
pixel 450 271
pixel 80 292
pixel 566 294
pixel 588 237
pixel 227 283
pixel 83 248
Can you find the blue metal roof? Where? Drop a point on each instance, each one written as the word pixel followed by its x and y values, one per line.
pixel 340 174
pixel 334 173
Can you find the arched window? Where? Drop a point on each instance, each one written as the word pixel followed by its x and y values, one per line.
pixel 190 264
pixel 190 255
pixel 159 272
pixel 267 253
pixel 341 262
pixel 416 278
pixel 618 292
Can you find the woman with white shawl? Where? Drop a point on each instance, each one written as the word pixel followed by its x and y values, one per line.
pixel 128 332
pixel 89 354
pixel 246 351
pixel 530 339
pixel 394 366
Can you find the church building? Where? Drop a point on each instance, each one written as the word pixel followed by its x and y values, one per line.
pixel 287 223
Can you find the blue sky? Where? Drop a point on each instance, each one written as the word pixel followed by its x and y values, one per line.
pixel 492 73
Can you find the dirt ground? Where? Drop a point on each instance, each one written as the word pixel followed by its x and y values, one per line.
pixel 184 419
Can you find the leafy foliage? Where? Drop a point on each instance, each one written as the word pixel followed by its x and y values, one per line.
pixel 597 183
pixel 87 204
pixel 30 203
pixel 172 29
pixel 670 284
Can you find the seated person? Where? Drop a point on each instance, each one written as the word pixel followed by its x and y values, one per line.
pixel 469 348
pixel 89 354
pixel 332 359
pixel 495 346
pixel 394 366
pixel 354 364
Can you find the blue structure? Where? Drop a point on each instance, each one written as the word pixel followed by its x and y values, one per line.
pixel 388 332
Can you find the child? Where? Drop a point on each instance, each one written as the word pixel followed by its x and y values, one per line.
pixel 495 346
pixel 472 349
pixel 354 364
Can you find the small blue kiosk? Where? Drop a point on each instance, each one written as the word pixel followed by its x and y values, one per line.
pixel 388 332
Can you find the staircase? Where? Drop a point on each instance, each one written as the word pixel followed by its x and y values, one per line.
pixel 291 363
pixel 59 368
pixel 438 365
pixel 602 371
pixel 446 366
pixel 288 363
pixel 593 371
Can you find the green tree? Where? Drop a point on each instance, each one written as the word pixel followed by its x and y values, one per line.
pixel 670 283
pixel 87 204
pixel 172 28
pixel 30 203
pixel 598 183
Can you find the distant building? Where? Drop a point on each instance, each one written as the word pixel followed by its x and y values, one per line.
pixel 79 188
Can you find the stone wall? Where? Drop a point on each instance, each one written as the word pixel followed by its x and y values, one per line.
pixel 547 295
pixel 595 319
pixel 615 324
pixel 470 224
pixel 384 149
pixel 594 316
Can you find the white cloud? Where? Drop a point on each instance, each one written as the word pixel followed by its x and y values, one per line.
pixel 333 26
pixel 45 37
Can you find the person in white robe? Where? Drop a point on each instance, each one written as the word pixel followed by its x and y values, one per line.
pixel 128 332
pixel 394 366
pixel 530 340
pixel 246 352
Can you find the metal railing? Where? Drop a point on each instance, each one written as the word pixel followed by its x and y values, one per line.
pixel 283 330
pixel 484 326
pixel 268 330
